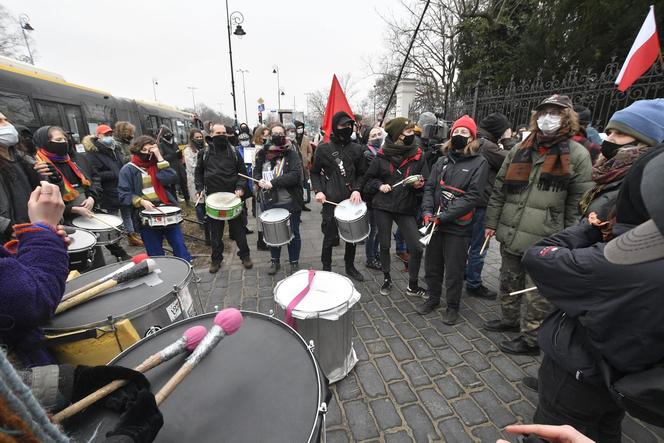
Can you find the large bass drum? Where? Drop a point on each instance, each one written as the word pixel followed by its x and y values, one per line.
pixel 261 384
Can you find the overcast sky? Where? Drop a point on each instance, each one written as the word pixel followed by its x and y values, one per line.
pixel 120 45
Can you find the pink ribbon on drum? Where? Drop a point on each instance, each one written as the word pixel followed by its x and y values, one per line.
pixel 298 298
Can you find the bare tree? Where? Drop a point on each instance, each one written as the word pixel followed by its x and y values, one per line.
pixel 12 43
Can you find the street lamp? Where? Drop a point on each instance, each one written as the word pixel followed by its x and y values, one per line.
pixel 237 18
pixel 24 21
pixel 155 83
pixel 244 92
pixel 275 70
pixel 193 98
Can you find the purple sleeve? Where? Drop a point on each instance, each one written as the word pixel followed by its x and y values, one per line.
pixel 32 282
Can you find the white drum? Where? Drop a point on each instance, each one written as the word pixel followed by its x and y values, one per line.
pixel 277 230
pixel 161 216
pixel 323 316
pixel 107 227
pixel 81 250
pixel 352 221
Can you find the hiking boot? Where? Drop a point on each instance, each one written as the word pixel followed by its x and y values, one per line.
pixel 518 346
pixel 134 240
pixel 294 267
pixel 451 316
pixel 387 285
pixel 214 267
pixel 416 291
pixel 274 268
pixel 260 244
pixel 427 307
pixel 247 263
pixel 530 383
pixel 499 326
pixel 481 292
pixel 354 273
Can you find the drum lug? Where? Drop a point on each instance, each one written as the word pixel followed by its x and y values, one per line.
pixel 271 312
pixel 323 408
pixel 311 345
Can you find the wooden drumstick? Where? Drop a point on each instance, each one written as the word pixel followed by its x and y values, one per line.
pixel 134 260
pixel 332 203
pixel 534 288
pixel 247 177
pixel 188 342
pixel 226 322
pixel 486 242
pixel 140 270
pixel 106 223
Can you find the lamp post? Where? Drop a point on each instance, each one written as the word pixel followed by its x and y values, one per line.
pixel 244 93
pixel 193 98
pixel 237 18
pixel 155 83
pixel 275 70
pixel 374 97
pixel 24 21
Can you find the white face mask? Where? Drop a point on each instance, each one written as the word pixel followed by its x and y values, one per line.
pixel 549 124
pixel 245 143
pixel 300 130
pixel 8 136
pixel 291 136
pixel 353 136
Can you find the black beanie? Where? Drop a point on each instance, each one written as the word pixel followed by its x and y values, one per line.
pixel 495 124
pixel 584 114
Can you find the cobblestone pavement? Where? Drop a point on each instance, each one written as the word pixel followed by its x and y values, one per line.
pixel 417 379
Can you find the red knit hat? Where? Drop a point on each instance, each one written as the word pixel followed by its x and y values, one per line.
pixel 465 122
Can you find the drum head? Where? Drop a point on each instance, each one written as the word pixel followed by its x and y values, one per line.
pixel 274 215
pixel 349 211
pixel 81 240
pixel 222 200
pixel 260 384
pixel 93 224
pixel 161 211
pixel 124 302
pixel 328 292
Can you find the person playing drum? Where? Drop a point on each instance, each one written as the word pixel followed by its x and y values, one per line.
pixel 279 170
pixel 141 185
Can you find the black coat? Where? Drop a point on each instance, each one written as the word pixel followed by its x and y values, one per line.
pixel 326 175
pixel 7 215
pixel 464 176
pixel 614 310
pixel 290 179
pixel 404 199
pixel 106 163
pixel 495 156
pixel 217 170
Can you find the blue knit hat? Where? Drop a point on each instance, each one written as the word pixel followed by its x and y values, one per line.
pixel 643 120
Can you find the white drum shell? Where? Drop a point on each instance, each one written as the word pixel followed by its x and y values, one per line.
pixel 352 221
pixel 105 234
pixel 277 230
pixel 164 216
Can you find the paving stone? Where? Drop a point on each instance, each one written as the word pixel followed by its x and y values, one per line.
pixel 449 387
pixel 441 327
pixel 433 338
pixel 368 333
pixel 507 367
pixel 449 356
pixel 337 436
pixel 362 424
pixel 348 388
pixel 466 376
pixel 499 414
pixel 385 413
pixel 360 319
pixel 528 393
pixel 469 412
pixel 370 379
pixel 459 343
pixel 406 330
pixel 384 328
pixel 405 306
pixel 484 346
pixel 377 347
pixel 487 433
pixel 417 320
pixel 433 367
pixel 374 310
pixel 399 349
pixel 452 430
pixel 476 361
pixel 398 437
pixel 416 374
pixel 523 410
pixel 402 393
pixel 360 350
pixel 505 391
pixel 394 315
pixel 434 403
pixel 333 416
pixel 419 423
pixel 388 368
pixel 420 347
pixel 468 331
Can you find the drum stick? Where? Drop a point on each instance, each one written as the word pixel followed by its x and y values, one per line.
pixel 534 288
pixel 332 203
pixel 247 177
pixel 198 200
pixel 398 183
pixel 188 342
pixel 226 322
pixel 484 245
pixel 106 223
pixel 134 260
pixel 140 270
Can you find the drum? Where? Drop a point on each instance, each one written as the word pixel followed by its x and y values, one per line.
pixel 106 235
pixel 324 316
pixel 261 384
pixel 81 250
pixel 277 229
pixel 96 331
pixel 352 221
pixel 163 216
pixel 223 205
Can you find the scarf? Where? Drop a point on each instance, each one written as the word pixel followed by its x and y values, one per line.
pixel 555 169
pixel 396 154
pixel 152 169
pixel 70 193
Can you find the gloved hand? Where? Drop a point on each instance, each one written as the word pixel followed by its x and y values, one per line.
pixel 141 421
pixel 428 218
pixel 88 379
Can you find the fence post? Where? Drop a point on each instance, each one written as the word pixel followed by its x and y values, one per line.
pixel 475 96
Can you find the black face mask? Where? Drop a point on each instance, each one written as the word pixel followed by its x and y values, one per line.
pixel 610 149
pixel 409 139
pixel 198 143
pixel 343 134
pixel 219 141
pixel 459 142
pixel 278 140
pixel 167 137
pixel 57 148
pixel 144 156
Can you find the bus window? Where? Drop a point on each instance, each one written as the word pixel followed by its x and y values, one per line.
pixel 151 125
pixel 102 114
pixel 167 122
pixel 181 131
pixel 49 113
pixel 17 109
pixel 75 123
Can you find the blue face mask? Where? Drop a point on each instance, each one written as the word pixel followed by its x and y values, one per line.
pixel 107 140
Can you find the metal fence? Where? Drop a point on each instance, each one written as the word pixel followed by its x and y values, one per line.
pixel 596 91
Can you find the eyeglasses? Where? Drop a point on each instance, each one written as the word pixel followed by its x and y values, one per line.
pixel 551 112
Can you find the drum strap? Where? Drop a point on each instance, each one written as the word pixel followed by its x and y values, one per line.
pixel 298 298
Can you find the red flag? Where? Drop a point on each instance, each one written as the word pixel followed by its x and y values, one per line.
pixel 336 102
pixel 643 54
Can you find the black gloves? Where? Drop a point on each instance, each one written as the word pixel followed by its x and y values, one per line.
pixel 141 421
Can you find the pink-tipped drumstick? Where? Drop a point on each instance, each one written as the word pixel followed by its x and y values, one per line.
pixel 134 260
pixel 188 342
pixel 226 322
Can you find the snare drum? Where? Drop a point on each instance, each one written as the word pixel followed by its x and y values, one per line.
pixel 81 250
pixel 277 229
pixel 105 234
pixel 352 221
pixel 96 331
pixel 163 216
pixel 223 205
pixel 325 316
pixel 260 384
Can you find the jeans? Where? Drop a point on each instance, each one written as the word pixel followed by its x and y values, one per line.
pixel 127 222
pixel 154 237
pixel 294 246
pixel 237 231
pixel 330 233
pixel 445 256
pixel 408 227
pixel 475 261
pixel 371 242
pixel 563 400
pixel 400 243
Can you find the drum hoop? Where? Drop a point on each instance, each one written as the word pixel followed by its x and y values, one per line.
pixel 81 249
pixel 290 330
pixel 102 227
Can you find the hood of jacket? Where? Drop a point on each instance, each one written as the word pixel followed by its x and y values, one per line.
pixel 89 143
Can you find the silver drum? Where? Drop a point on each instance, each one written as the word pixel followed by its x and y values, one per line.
pixel 352 221
pixel 81 250
pixel 107 227
pixel 277 229
pixel 324 316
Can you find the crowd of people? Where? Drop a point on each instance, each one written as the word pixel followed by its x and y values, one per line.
pixel 578 217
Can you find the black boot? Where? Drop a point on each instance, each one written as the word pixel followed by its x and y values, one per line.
pixel 260 244
pixel 354 273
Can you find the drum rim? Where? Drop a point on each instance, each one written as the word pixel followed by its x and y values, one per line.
pixel 75 250
pixel 136 312
pixel 175 211
pixel 223 208
pixel 271 318
pixel 276 287
pixel 340 208
pixel 355 241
